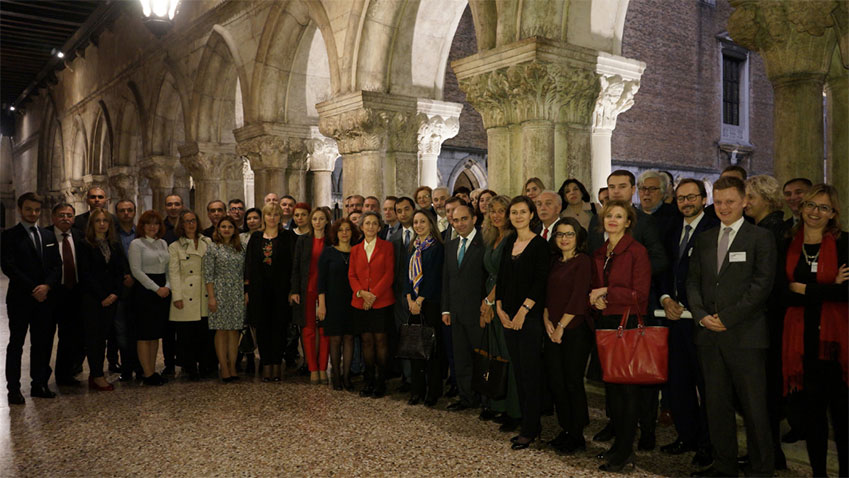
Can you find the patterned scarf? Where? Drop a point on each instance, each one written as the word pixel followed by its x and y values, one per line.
pixel 415 271
pixel 103 245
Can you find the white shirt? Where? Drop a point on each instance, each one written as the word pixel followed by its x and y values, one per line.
pixel 469 239
pixel 60 237
pixel 27 226
pixel 550 229
pixel 442 223
pixel 735 227
pixel 693 225
pixel 149 256
pixel 369 248
pixel 404 233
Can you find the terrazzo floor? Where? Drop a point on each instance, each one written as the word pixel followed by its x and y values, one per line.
pixel 249 428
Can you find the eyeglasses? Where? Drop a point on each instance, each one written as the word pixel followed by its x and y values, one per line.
pixel 569 234
pixel 648 189
pixel 237 208
pixel 824 208
pixel 96 196
pixel 190 221
pixel 688 198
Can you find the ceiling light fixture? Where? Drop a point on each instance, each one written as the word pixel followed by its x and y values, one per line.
pixel 159 15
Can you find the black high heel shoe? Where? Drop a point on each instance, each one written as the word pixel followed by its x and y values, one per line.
pixel 618 467
pixel 522 443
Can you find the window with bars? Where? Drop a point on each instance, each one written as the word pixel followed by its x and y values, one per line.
pixel 731 67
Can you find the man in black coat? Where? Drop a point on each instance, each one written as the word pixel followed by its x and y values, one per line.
pixel 401 239
pixel 67 308
pixel 463 290
pixel 686 383
pixel 95 197
pixel 732 269
pixel 29 256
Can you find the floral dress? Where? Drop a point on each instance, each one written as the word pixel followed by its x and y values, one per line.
pixel 224 267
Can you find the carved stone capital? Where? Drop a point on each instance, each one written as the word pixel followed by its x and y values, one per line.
pixel 369 121
pixel 211 162
pixel 122 181
pixel 322 153
pixel 272 151
pixel 159 170
pixel 434 132
pixel 793 36
pixel 73 190
pixel 615 96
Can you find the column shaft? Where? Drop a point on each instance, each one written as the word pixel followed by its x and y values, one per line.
pixel 798 128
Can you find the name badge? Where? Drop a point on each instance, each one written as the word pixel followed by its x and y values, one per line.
pixel 814 267
pixel 736 257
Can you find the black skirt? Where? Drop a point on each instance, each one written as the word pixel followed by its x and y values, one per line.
pixel 150 310
pixel 375 321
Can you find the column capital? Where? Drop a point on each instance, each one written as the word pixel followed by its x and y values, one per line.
pixel 370 121
pixel 793 36
pixel 122 180
pixel 272 151
pixel 210 161
pixel 159 170
pixel 322 153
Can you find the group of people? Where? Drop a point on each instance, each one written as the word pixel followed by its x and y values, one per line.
pixel 756 306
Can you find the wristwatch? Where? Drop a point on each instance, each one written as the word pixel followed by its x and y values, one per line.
pixel 358 293
pixel 561 325
pixel 526 307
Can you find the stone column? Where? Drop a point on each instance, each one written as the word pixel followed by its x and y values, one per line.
pixel 796 41
pixel 377 136
pixel 619 82
pixel 159 171
pixel 837 99
pixel 278 157
pixel 122 184
pixel 216 171
pixel 443 122
pixel 537 99
pixel 322 154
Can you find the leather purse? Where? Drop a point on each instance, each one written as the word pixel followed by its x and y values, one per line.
pixel 415 341
pixel 489 370
pixel 637 356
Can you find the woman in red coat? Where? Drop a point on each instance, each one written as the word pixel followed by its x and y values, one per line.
pixel 621 281
pixel 371 274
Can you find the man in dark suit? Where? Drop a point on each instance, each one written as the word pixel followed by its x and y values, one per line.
pixel 450 204
pixel 463 291
pixel 653 186
pixel 390 220
pixel 29 256
pixel 215 211
pixel 732 269
pixel 67 308
pixel 95 197
pixel 621 185
pixel 549 204
pixel 686 383
pixel 401 239
pixel 733 171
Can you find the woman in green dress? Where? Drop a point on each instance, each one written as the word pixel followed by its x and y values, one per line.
pixel 497 227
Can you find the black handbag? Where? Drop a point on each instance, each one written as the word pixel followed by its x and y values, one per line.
pixel 489 370
pixel 415 341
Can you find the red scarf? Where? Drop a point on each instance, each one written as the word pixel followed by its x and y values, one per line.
pixel 834 326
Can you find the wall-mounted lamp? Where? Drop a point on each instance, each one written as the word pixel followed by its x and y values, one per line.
pixel 159 15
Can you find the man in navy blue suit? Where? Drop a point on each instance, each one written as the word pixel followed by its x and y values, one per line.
pixel 29 256
pixel 686 383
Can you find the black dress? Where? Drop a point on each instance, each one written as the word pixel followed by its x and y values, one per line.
pixel 333 283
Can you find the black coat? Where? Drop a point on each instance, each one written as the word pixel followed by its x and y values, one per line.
pixel 97 278
pixel 301 274
pixel 674 282
pixel 24 266
pixel 280 275
pixel 464 285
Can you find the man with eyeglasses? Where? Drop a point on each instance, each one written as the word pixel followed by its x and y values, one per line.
pixel 236 211
pixel 70 351
pixel 686 383
pixel 652 187
pixel 95 197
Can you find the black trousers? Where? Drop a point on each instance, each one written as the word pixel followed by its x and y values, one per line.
pixel 728 370
pixel 525 347
pixel 68 313
pixel 27 313
pixel 686 385
pixel 427 374
pixel 466 337
pixel 192 353
pixel 97 320
pixel 169 344
pixel 825 392
pixel 566 363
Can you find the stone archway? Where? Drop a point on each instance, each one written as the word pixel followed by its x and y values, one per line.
pixel 470 171
pixel 102 143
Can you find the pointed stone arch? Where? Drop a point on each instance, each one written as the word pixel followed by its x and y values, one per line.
pixel 51 152
pixel 77 155
pixel 102 144
pixel 167 124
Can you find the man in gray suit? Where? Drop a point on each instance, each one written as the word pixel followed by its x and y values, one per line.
pixel 463 291
pixel 732 268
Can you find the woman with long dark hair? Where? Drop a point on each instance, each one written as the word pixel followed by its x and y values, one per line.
pixel 519 300
pixel 576 202
pixel 102 266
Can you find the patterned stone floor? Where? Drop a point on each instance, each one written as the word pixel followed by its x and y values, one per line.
pixel 250 428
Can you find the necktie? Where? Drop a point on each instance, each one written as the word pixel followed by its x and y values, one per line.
pixel 683 246
pixel 545 233
pixel 723 247
pixel 37 241
pixel 406 239
pixel 462 251
pixel 69 273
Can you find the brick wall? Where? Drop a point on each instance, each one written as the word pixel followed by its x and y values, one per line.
pixel 472 134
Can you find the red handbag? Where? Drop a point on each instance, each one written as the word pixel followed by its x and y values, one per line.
pixel 634 356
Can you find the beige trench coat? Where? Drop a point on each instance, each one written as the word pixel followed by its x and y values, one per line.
pixel 185 270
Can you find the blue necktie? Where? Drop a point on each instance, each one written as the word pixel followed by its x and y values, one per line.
pixel 462 251
pixel 406 239
pixel 683 246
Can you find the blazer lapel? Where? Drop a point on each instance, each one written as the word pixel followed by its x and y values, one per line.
pixel 739 241
pixel 711 250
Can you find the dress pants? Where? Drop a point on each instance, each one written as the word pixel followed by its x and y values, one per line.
pixel 466 337
pixel 447 365
pixel 565 363
pixel 825 391
pixel 192 354
pixel 271 326
pixel 525 347
pixel 402 316
pixel 728 370
pixel 27 313
pixel 126 336
pixel 686 385
pixel 623 402
pixel 427 374
pixel 97 322
pixel 169 344
pixel 68 312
